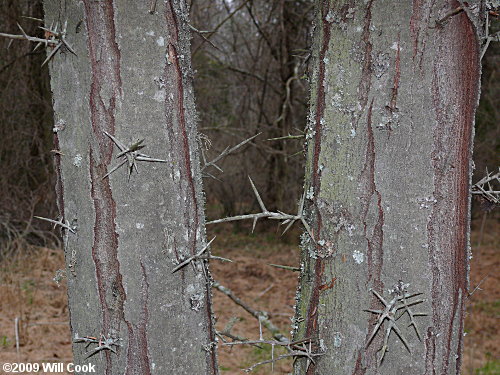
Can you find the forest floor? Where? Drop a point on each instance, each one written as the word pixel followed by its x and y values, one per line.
pixel 29 293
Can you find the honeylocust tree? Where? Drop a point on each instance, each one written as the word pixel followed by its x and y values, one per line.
pixel 129 186
pixel 384 278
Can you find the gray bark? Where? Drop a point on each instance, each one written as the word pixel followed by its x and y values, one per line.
pixel 132 79
pixel 393 99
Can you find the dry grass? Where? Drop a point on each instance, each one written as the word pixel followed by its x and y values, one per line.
pixel 29 293
pixel 482 342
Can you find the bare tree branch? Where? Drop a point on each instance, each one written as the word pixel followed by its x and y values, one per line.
pixel 285 218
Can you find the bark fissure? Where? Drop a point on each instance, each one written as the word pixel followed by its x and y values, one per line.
pixel 173 59
pixel 374 243
pixel 366 73
pixel 138 335
pixel 415 24
pixel 59 177
pixel 105 92
pixel 375 253
pixel 451 164
pixel 419 23
pixel 105 67
pixel 397 77
pixel 359 369
pixel 312 313
pixel 104 254
pixel 177 71
pixel 430 352
pixel 320 104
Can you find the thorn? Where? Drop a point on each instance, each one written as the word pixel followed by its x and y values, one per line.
pixel 288 226
pixel 63 40
pixel 194 257
pixel 114 169
pixel 308 229
pixel 52 53
pixel 261 204
pixel 289 268
pixel 219 258
pixel 286 137
pixel 254 223
pixel 62 224
pixel 22 30
pixel 32 18
pixel 130 155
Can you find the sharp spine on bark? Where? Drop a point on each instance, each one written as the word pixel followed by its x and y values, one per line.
pixel 398 302
pixel 286 218
pixel 103 343
pixel 198 256
pixel 131 155
pixel 55 38
pixel 62 223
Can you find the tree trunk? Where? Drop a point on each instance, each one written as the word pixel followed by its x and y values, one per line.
pixel 131 80
pixel 394 91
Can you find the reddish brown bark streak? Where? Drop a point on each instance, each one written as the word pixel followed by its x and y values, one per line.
pixel 104 253
pixel 419 28
pixel 450 160
pixel 366 73
pixel 327 286
pixel 173 69
pixel 138 344
pixel 104 58
pixel 397 76
pixel 415 24
pixel 320 103
pixel 105 91
pixel 359 369
pixel 469 88
pixel 105 64
pixel 374 243
pixel 375 253
pixel 430 352
pixel 173 57
pixel 59 179
pixel 311 320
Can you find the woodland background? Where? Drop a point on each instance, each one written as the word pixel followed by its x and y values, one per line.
pixel 250 61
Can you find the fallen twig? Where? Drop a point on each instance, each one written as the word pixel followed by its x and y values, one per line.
pixel 259 315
